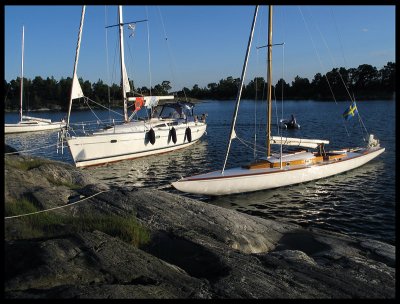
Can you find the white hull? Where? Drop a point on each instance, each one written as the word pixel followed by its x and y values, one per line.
pixel 129 142
pixel 34 126
pixel 240 180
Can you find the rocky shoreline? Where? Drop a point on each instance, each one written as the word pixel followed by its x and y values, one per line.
pixel 196 250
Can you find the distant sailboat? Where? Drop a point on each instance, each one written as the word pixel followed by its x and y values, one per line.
pixel 171 125
pixel 28 123
pixel 280 169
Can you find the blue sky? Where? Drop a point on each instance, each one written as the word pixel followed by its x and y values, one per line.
pixel 205 43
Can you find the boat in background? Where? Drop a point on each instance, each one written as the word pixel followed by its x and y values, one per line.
pixel 285 168
pixel 29 123
pixel 167 125
pixel 289 123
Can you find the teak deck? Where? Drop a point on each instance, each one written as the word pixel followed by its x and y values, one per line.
pixel 261 164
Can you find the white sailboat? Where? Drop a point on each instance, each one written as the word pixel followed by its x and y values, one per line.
pixel 170 125
pixel 279 169
pixel 28 123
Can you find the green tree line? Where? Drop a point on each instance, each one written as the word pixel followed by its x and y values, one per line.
pixel 365 82
pixel 50 93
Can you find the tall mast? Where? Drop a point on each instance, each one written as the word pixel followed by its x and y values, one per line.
pixel 22 74
pixel 269 79
pixel 232 133
pixel 76 90
pixel 123 70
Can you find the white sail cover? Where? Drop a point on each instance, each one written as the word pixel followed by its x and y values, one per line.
pixel 152 101
pixel 302 142
pixel 76 88
pixel 233 135
pixel 127 87
pixel 24 117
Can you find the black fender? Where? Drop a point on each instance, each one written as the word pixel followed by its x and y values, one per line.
pixel 188 134
pixel 151 135
pixel 172 134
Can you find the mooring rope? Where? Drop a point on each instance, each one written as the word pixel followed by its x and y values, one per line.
pixel 46 210
pixel 9 153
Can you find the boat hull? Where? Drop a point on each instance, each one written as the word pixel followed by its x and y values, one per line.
pixel 241 180
pixel 108 147
pixel 32 127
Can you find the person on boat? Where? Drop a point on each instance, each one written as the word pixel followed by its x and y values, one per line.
pixel 292 123
pixel 155 113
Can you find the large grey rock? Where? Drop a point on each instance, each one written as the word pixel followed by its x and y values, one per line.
pixel 197 250
pixel 94 265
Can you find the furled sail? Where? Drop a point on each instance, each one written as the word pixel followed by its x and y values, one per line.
pixel 24 117
pixel 127 87
pixel 302 142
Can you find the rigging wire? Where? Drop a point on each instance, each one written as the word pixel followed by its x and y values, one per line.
pixel 108 70
pixel 322 67
pixel 130 69
pixel 249 144
pixel 352 99
pixel 111 76
pixel 255 112
pixel 149 113
pixel 283 75
pixel 283 65
pixel 258 127
pixel 172 63
pixel 256 92
pixel 133 90
pixel 242 77
pixel 317 53
pixel 334 62
pixel 148 46
pixel 85 100
pixel 114 68
pixel 340 41
pixel 100 105
pixel 345 62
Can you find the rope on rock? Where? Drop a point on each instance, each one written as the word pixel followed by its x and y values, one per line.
pixel 43 147
pixel 26 214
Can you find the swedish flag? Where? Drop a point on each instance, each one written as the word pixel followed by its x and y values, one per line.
pixel 350 111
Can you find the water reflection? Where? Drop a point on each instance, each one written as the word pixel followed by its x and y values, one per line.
pixel 154 171
pixel 348 202
pixel 358 202
pixel 43 144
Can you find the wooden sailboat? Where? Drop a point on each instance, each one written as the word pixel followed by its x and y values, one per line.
pixel 171 125
pixel 28 123
pixel 280 169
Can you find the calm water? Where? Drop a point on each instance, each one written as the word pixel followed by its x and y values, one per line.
pixel 360 202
